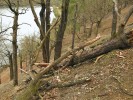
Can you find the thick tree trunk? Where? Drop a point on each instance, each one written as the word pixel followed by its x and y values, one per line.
pixel 62 27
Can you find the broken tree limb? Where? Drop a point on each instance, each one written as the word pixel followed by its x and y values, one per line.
pixel 24 71
pixel 41 64
pixel 68 84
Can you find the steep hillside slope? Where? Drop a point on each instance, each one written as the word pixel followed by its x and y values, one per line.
pixel 111 75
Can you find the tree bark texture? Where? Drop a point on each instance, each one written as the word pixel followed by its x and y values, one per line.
pixel 62 27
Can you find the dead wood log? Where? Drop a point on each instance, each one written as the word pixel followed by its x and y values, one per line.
pixel 125 41
pixel 50 86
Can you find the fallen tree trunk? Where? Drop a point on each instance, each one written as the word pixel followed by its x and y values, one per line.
pixel 123 42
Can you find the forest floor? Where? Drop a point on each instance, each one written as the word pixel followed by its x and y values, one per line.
pixel 111 79
pixel 110 75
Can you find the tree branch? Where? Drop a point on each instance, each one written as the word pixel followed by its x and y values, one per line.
pixel 67 84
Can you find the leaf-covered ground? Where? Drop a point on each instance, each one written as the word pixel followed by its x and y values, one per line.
pixel 111 76
pixel 111 79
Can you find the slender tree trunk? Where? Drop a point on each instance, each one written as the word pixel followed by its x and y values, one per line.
pixel 62 27
pixel 26 62
pixel 84 26
pixel 15 11
pixel 123 22
pixel 47 28
pixel 0 78
pixel 90 31
pixel 114 23
pixel 74 27
pixel 42 19
pixel 11 65
pixel 21 62
pixel 45 24
pixel 97 27
pixel 14 43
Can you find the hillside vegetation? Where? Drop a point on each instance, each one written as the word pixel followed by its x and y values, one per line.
pixel 104 77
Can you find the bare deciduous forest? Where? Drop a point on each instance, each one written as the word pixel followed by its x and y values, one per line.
pixel 66 49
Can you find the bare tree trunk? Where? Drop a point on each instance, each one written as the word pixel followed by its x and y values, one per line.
pixel 90 31
pixel 74 27
pixel 11 65
pixel 84 26
pixel 123 20
pixel 62 27
pixel 42 19
pixel 45 24
pixel 15 11
pixel 21 62
pixel 98 26
pixel 14 43
pixel 26 62
pixel 47 28
pixel 0 78
pixel 114 23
